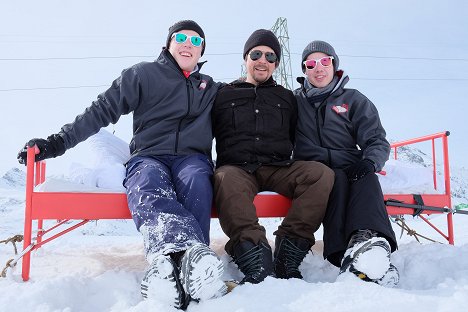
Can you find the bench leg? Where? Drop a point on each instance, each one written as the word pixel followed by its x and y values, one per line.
pixel 27 257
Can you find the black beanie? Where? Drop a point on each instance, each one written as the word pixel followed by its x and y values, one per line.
pixel 187 25
pixel 263 37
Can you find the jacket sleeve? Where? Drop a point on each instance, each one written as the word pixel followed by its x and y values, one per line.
pixel 370 134
pixel 121 98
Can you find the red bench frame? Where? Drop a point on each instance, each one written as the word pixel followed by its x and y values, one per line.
pixel 84 207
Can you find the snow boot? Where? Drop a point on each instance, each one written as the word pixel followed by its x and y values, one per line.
pixel 390 278
pixel 289 253
pixel 255 261
pixel 368 257
pixel 161 282
pixel 200 273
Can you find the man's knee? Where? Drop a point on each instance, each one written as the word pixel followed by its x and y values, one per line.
pixel 314 171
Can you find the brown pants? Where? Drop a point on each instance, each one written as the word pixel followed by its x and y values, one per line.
pixel 307 183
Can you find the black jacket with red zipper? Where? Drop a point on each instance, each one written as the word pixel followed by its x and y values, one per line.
pixel 171 112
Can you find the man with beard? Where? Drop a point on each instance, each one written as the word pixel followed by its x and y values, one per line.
pixel 254 124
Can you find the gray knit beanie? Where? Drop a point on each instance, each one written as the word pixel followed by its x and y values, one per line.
pixel 187 25
pixel 320 46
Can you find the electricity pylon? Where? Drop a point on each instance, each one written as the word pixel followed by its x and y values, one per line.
pixel 283 74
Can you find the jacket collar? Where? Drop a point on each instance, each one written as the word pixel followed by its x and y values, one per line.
pixel 166 55
pixel 342 80
pixel 241 83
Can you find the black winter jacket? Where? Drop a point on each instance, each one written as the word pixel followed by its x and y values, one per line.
pixel 254 125
pixel 171 113
pixel 341 130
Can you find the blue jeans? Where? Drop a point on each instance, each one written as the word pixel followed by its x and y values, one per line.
pixel 170 199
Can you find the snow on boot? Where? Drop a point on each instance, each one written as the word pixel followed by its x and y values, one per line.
pixel 255 261
pixel 289 253
pixel 200 273
pixel 161 282
pixel 390 278
pixel 367 256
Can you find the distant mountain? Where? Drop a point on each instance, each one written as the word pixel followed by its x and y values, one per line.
pixel 13 178
pixel 458 176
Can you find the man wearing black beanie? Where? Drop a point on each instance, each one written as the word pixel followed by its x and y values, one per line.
pixel 254 121
pixel 186 25
pixel 168 177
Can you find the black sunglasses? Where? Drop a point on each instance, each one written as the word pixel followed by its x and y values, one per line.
pixel 257 54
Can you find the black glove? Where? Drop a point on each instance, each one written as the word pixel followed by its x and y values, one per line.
pixel 52 147
pixel 359 169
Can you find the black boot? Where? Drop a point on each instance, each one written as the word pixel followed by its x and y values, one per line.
pixel 289 253
pixel 255 261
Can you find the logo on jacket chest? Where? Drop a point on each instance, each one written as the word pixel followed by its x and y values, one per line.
pixel 340 109
pixel 202 85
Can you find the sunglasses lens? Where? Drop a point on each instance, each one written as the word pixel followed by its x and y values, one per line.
pixel 310 64
pixel 326 61
pixel 196 41
pixel 270 57
pixel 255 55
pixel 180 38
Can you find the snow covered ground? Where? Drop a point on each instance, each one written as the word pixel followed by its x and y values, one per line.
pixel 99 267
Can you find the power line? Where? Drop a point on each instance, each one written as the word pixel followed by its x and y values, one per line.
pixel 228 53
pixel 74 58
pixel 233 78
pixel 95 57
pixel 406 58
pixel 414 79
pixel 53 88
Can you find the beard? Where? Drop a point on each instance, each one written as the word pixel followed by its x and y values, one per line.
pixel 260 78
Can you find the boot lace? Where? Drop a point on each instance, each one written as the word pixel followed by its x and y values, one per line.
pixel 361 236
pixel 293 257
pixel 250 263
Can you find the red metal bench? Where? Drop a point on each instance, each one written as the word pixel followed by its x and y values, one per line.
pixel 84 207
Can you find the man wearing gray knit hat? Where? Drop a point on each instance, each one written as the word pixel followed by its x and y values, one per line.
pixel 320 46
pixel 340 127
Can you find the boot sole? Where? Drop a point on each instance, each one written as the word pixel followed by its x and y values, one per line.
pixel 361 250
pixel 201 272
pixel 153 275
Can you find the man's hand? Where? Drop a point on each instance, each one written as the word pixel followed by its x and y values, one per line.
pixel 359 169
pixel 51 147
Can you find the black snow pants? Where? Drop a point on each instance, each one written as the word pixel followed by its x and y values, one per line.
pixel 353 206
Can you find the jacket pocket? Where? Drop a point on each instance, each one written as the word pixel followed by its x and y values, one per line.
pixel 231 113
pixel 276 115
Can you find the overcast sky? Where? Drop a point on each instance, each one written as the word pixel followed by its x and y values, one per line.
pixel 408 57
